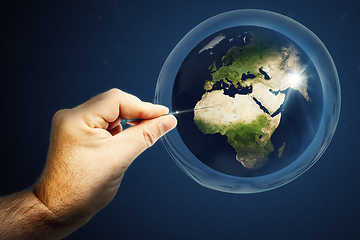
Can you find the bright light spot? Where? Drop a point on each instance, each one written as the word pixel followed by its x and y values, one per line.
pixel 295 80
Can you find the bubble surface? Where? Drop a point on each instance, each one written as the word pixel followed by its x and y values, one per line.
pixel 251 65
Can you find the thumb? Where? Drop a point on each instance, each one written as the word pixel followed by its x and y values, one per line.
pixel 136 139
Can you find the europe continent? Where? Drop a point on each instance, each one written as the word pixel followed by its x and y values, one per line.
pixel 245 97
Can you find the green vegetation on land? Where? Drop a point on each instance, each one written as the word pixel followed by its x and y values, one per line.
pixel 244 138
pixel 243 60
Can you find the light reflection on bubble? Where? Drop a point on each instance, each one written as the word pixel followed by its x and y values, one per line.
pixel 206 174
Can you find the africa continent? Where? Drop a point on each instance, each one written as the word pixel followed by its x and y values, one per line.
pixel 245 95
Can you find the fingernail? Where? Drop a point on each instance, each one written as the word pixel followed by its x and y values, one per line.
pixel 164 109
pixel 168 123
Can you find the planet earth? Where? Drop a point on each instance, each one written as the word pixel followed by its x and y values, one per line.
pixel 257 101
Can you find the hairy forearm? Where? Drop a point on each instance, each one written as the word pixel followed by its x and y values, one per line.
pixel 24 216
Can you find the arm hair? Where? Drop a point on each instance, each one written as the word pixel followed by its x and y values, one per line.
pixel 24 216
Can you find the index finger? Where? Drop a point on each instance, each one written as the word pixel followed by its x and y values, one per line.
pixel 115 104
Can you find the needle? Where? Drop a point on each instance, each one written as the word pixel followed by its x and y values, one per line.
pixel 126 121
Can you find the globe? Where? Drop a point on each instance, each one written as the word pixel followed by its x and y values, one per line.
pixel 259 100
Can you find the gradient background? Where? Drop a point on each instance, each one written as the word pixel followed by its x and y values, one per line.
pixel 58 54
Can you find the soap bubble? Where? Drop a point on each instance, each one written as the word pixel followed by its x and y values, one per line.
pixel 274 94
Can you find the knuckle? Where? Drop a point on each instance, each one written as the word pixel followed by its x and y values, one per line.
pixel 60 116
pixel 62 120
pixel 149 138
pixel 115 91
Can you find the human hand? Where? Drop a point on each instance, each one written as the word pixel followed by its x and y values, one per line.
pixel 89 152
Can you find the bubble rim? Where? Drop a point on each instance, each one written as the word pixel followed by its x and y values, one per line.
pixel 321 59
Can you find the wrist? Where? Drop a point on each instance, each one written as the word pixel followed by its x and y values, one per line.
pixel 64 210
pixel 24 216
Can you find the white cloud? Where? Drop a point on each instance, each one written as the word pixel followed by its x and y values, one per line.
pixel 212 43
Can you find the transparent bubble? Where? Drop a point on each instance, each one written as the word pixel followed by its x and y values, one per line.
pixel 250 65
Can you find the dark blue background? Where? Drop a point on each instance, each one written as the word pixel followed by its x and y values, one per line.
pixel 58 54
